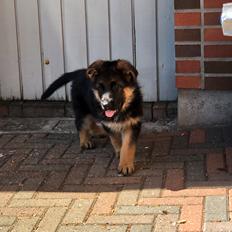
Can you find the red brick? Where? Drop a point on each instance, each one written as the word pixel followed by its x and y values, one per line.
pixel 188 66
pixel 190 4
pixel 218 83
pixel 171 201
pixel 215 3
pixel 188 35
pixel 215 162
pixel 229 159
pixel 197 136
pixel 188 50
pixel 212 18
pixel 193 216
pixel 215 34
pixel 188 19
pixel 221 51
pixel 175 179
pixel 188 82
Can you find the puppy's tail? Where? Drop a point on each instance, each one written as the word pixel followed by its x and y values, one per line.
pixel 63 80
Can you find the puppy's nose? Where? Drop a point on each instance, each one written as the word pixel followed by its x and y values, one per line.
pixel 108 106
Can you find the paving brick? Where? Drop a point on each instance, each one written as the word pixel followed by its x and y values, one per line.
pixel 139 228
pixel 152 187
pixel 171 201
pixel 216 208
pixel 166 223
pixel 105 201
pixel 130 210
pixel 22 212
pixel 35 156
pixel 99 167
pixel 174 179
pixel 4 139
pixel 129 195
pixel 193 216
pixel 230 199
pixel 53 181
pixel 195 171
pixel 93 228
pixel 167 165
pixel 57 151
pixel 6 193
pixel 78 211
pixel 77 174
pixel 180 141
pixel 148 171
pixel 121 219
pixel 195 192
pixel 61 195
pixel 217 226
pixel 215 162
pixel 25 224
pixel 197 136
pixel 196 150
pixel 12 164
pixel 210 184
pixel 82 191
pixel 29 188
pixel 39 202
pixel 179 158
pixel 113 180
pixel 162 147
pixel 6 220
pixel 51 219
pixel 44 167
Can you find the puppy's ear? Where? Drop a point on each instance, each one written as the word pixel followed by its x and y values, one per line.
pixel 94 69
pixel 128 70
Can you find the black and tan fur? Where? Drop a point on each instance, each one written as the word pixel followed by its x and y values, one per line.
pixel 106 98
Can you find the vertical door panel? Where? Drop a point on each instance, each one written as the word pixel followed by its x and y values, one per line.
pixel 145 27
pixel 9 69
pixel 75 46
pixel 98 29
pixel 29 45
pixel 52 43
pixel 166 59
pixel 121 29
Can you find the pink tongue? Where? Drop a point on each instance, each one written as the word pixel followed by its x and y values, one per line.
pixel 110 113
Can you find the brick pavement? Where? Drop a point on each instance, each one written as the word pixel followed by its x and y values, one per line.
pixel 183 181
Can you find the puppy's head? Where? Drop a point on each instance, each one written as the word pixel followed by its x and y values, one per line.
pixel 113 84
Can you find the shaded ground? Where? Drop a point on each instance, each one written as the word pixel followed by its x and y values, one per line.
pixel 182 182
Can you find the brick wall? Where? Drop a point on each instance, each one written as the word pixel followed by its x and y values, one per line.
pixel 203 54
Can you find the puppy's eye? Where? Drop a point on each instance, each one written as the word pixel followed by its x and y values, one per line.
pixel 115 85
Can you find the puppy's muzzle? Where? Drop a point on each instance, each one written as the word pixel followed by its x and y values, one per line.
pixel 106 101
pixel 107 105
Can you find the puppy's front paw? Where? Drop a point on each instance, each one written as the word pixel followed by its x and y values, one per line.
pixel 87 145
pixel 126 168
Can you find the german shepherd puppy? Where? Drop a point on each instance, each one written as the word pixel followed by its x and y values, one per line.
pixel 106 93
